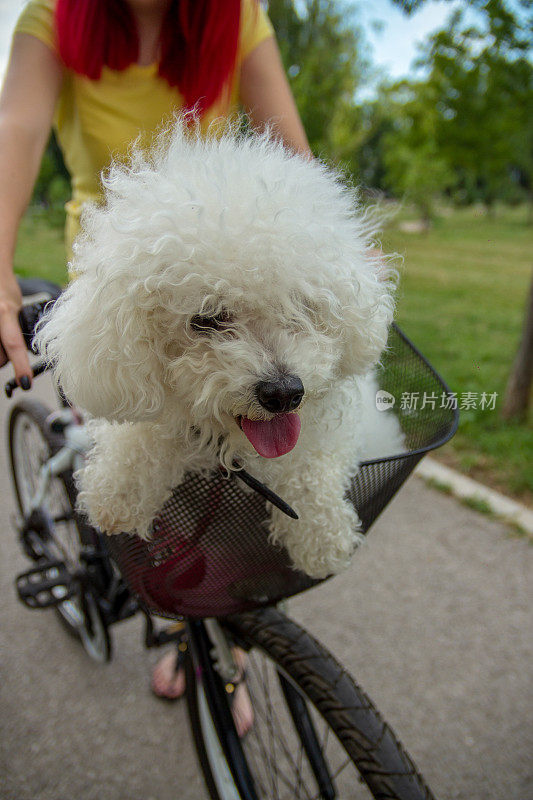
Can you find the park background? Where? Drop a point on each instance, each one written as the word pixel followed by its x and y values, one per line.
pixel 444 146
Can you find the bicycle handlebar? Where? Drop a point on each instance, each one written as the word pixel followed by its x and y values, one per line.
pixel 41 292
pixel 29 316
pixel 37 369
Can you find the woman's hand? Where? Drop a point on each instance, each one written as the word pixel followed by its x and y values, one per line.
pixel 12 345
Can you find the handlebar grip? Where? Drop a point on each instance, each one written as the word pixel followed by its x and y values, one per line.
pixel 38 294
pixel 37 369
pixel 29 316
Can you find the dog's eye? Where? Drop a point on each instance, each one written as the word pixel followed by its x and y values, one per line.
pixel 219 323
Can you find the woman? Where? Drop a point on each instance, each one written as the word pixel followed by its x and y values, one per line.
pixel 105 72
pixel 98 112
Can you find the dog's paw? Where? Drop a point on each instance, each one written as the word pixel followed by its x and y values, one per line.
pixel 117 502
pixel 114 511
pixel 107 523
pixel 113 516
pixel 321 545
pixel 321 562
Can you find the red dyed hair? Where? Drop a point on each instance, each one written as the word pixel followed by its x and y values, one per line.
pixel 198 43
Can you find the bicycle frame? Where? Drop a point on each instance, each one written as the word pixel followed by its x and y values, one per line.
pixel 69 457
pixel 211 681
pixel 95 574
pixel 98 597
pixel 215 670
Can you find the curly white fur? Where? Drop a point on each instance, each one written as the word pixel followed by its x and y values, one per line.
pixel 277 244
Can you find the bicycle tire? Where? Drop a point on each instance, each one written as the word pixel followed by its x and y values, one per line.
pixel 368 742
pixel 80 617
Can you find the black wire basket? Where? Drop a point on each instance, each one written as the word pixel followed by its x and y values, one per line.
pixel 210 555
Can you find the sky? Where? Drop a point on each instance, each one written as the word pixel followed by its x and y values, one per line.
pixel 393 48
pixel 393 40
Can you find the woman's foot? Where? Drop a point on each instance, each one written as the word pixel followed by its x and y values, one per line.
pixel 241 709
pixel 169 683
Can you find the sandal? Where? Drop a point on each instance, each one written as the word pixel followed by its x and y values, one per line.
pixel 241 705
pixel 168 676
pixel 168 683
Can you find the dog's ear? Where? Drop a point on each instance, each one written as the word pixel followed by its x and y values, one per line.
pixel 98 337
pixel 367 314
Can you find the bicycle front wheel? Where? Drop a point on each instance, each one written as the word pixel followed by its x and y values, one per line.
pixel 315 733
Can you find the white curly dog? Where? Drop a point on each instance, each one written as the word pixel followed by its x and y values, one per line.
pixel 228 309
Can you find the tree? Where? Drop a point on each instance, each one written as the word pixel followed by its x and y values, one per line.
pixel 377 123
pixel 414 165
pixel 321 47
pixel 465 126
pixel 485 80
pixel 502 19
pixel 483 85
pixel 518 391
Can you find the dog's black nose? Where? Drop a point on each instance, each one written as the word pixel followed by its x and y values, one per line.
pixel 281 395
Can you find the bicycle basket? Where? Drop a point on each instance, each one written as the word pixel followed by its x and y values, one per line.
pixel 210 554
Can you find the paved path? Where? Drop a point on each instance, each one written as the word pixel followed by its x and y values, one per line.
pixel 433 618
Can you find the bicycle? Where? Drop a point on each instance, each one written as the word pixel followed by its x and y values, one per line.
pixel 209 566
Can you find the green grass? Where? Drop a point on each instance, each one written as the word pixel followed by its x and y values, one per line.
pixel 442 486
pixel 461 299
pixel 479 505
pixel 40 249
pixel 482 507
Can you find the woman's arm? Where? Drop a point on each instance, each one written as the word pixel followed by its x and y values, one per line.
pixel 267 98
pixel 27 103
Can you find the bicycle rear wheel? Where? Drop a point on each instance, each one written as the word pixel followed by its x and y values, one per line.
pixel 57 534
pixel 315 734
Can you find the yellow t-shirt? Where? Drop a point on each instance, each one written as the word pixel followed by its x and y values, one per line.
pixel 96 121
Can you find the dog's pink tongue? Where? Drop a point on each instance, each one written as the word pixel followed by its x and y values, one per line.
pixel 274 437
